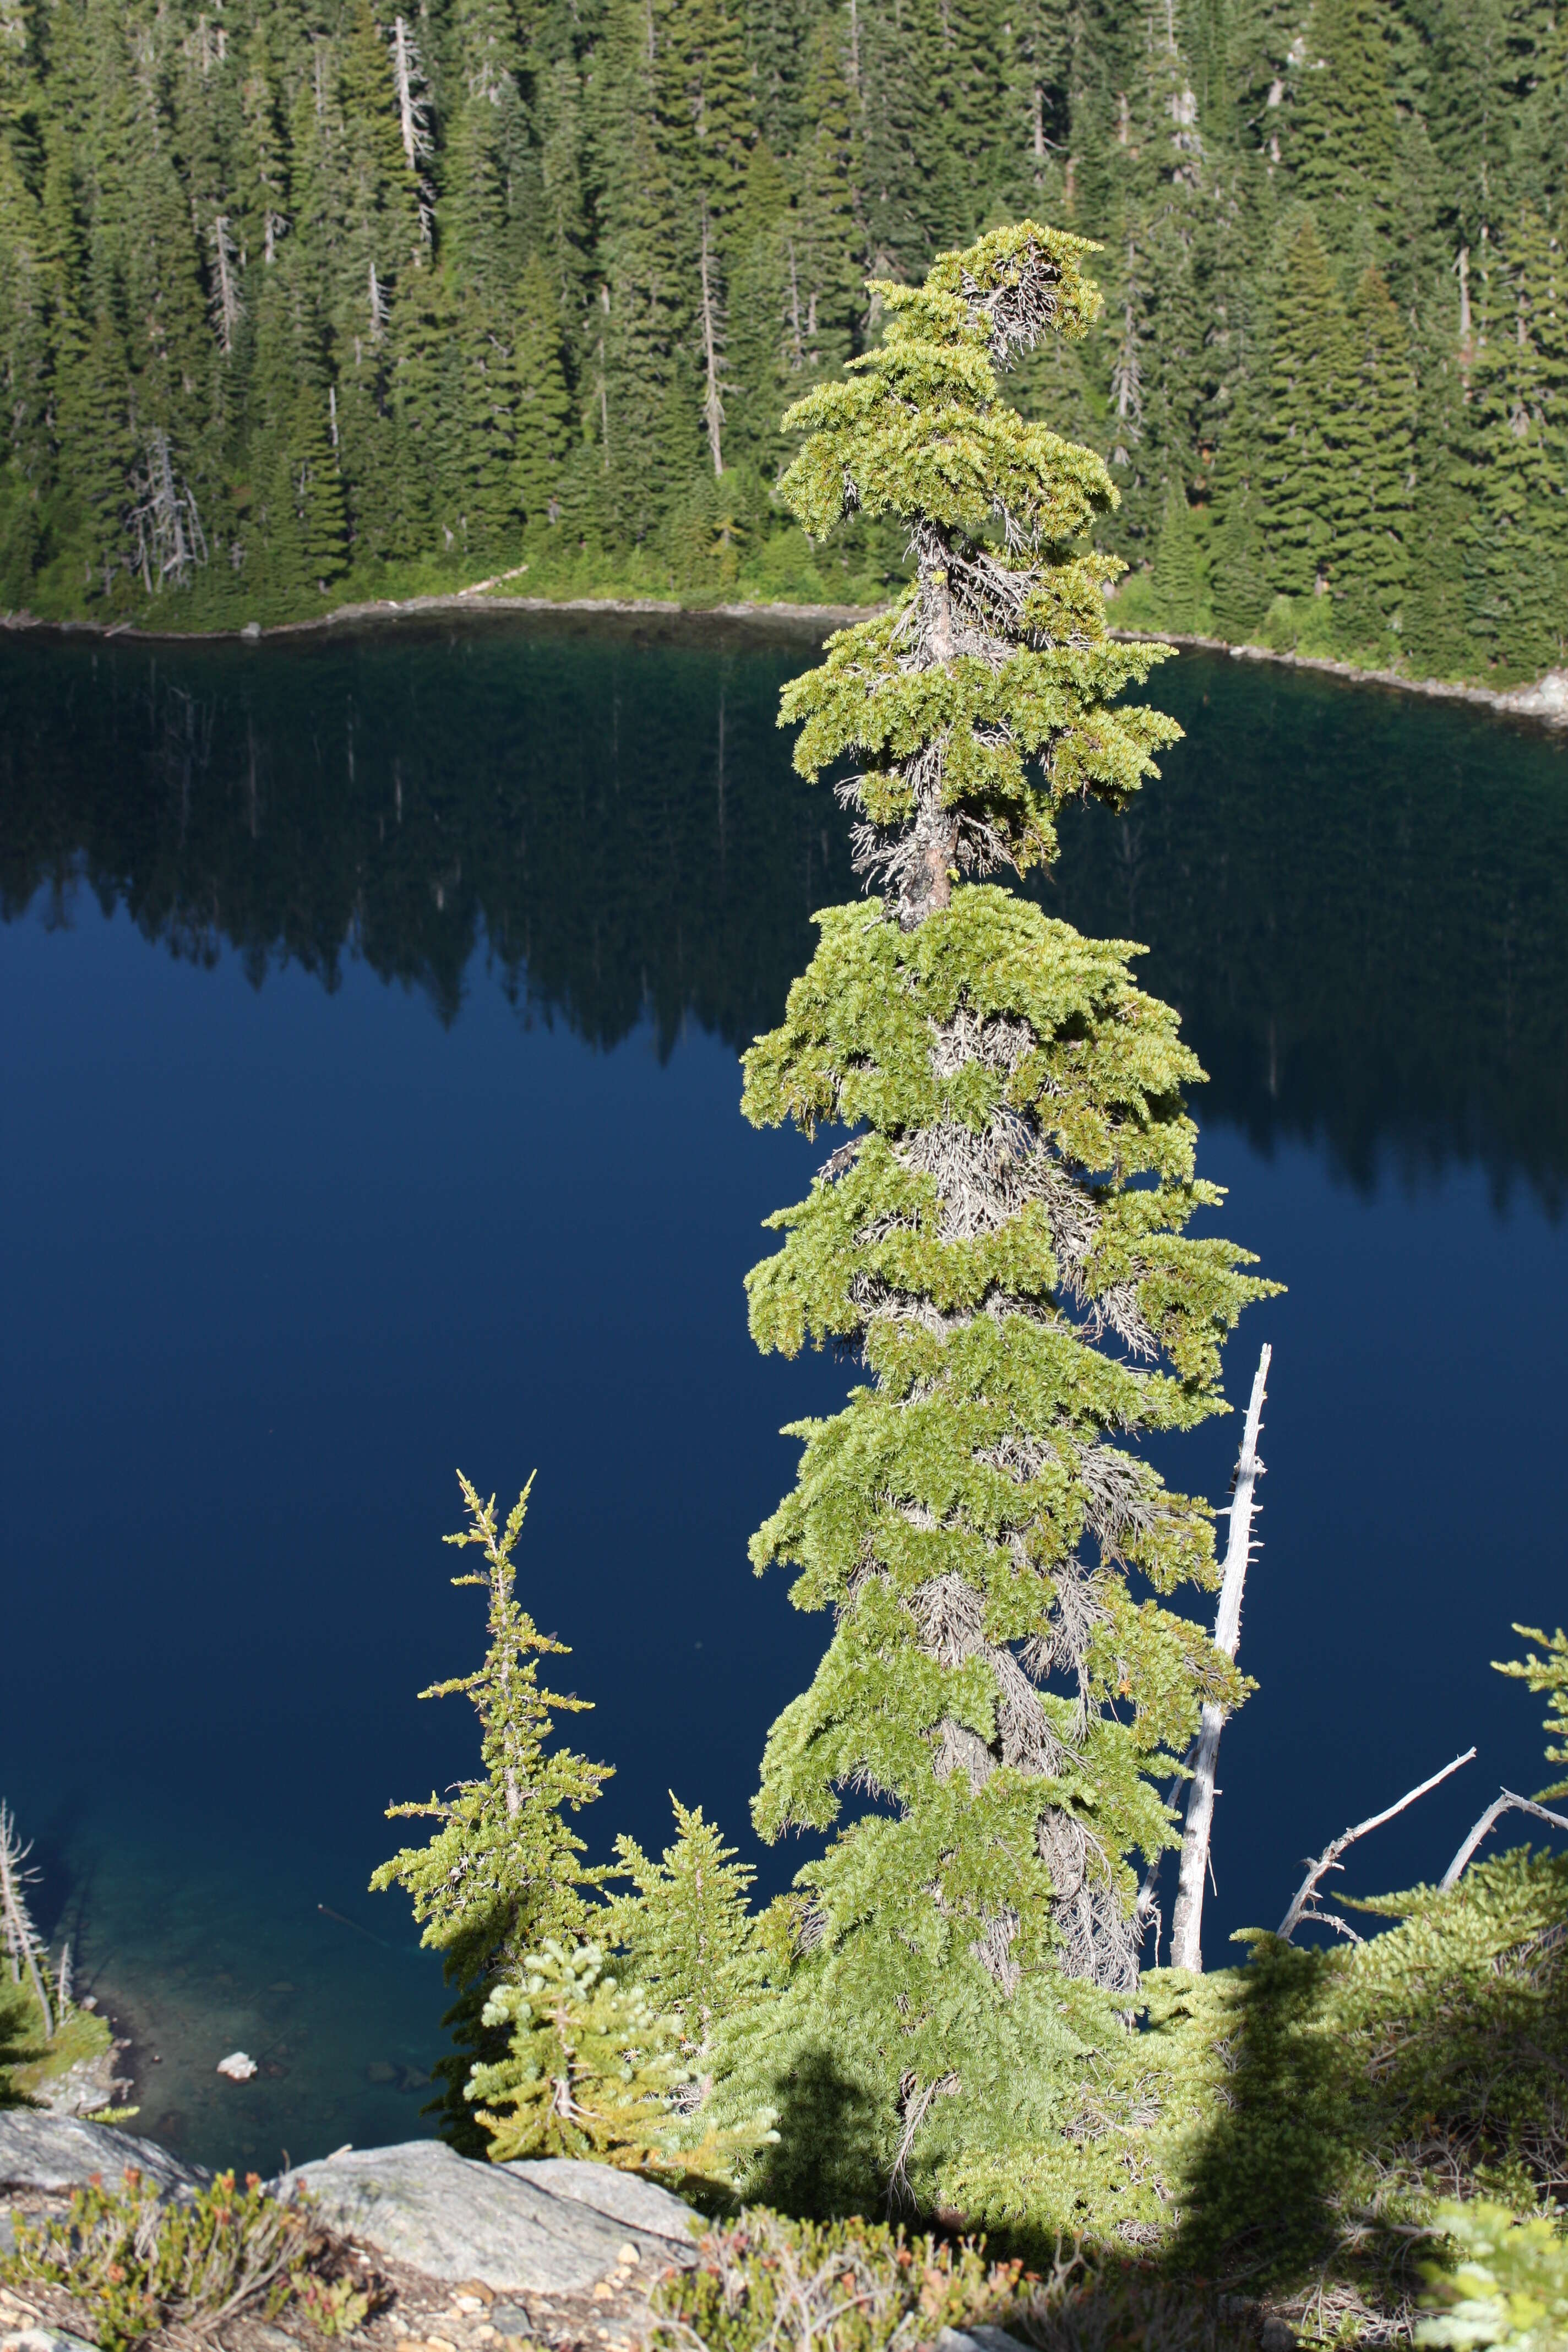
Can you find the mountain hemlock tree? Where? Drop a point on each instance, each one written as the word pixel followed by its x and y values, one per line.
pixel 1001 1241
pixel 502 1871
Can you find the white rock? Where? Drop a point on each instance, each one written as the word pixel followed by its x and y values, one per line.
pixel 239 2067
pixel 1547 699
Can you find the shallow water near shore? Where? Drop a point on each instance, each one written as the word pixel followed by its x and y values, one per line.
pixel 370 1085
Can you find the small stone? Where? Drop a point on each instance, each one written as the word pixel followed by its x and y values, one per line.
pixel 484 2334
pixel 469 2302
pixel 629 2255
pixel 603 2292
pixel 510 2319
pixel 251 629
pixel 439 2343
pixel 475 2287
pixel 239 2067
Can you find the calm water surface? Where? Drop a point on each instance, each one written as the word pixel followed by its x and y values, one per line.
pixel 369 1062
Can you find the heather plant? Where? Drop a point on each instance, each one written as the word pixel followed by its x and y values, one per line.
pixel 139 2260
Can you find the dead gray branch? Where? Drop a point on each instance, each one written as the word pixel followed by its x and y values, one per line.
pixel 1304 1906
pixel 1505 1802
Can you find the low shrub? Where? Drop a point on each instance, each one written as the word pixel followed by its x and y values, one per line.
pixel 138 2260
pixel 837 2286
pixel 767 2284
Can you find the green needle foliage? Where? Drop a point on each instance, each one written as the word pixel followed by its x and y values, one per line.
pixel 686 1929
pixel 1510 2285
pixel 1001 1243
pixel 502 1870
pixel 589 2067
pixel 1548 1677
pixel 19 2043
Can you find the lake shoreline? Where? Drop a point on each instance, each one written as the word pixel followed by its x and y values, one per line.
pixel 1545 699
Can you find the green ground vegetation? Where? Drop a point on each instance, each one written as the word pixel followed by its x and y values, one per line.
pixel 306 301
pixel 139 2263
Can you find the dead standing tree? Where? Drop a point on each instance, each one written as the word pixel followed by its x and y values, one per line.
pixel 1187 1924
pixel 24 1946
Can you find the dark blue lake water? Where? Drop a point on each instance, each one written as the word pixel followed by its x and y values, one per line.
pixel 372 1012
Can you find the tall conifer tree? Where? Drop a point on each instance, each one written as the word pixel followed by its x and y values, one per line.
pixel 1001 1240
pixel 1311 370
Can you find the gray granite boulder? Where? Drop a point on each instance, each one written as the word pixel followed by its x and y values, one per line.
pixel 641 2207
pixel 517 2229
pixel 46 2151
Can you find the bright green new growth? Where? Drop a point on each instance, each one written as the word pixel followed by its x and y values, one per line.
pixel 503 1869
pixel 1510 2287
pixel 1001 1242
pixel 589 2069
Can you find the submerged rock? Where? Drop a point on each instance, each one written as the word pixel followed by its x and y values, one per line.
pixel 239 2067
pixel 54 2152
pixel 553 2227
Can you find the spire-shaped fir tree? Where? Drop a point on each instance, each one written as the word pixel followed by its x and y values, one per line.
pixel 1001 1240
pixel 688 1936
pixel 1303 474
pixel 502 1873
pixel 1377 433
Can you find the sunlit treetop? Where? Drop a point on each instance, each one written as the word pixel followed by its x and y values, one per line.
pixel 981 701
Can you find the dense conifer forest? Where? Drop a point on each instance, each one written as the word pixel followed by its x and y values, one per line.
pixel 300 298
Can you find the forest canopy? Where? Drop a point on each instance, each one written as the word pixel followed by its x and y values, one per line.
pixel 297 295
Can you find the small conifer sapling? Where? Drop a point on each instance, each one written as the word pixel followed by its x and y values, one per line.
pixel 503 1871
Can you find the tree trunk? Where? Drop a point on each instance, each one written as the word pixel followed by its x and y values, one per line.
pixel 1186 1928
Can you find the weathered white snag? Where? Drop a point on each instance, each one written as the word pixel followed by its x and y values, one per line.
pixel 22 1942
pixel 1187 1926
pixel 1505 1802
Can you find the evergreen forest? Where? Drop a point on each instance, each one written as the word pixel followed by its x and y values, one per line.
pixel 305 300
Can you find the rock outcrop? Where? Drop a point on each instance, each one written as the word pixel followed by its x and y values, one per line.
pixel 551 2228
pixel 52 2152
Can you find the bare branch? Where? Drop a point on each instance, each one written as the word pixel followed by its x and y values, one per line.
pixel 1500 1805
pixel 1330 1857
pixel 22 1940
pixel 1187 1924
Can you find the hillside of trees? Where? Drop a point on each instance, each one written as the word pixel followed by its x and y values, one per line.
pixel 299 300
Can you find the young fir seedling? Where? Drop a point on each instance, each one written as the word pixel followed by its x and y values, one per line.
pixel 503 1871
pixel 1002 1245
pixel 690 1942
